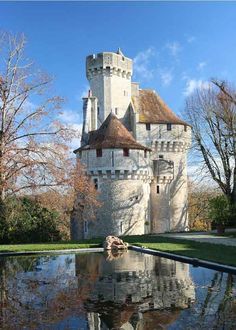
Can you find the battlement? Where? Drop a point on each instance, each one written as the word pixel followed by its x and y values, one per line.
pixel 170 146
pixel 113 164
pixel 108 63
pixel 113 174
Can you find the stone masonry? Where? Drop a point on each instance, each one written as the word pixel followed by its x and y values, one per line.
pixel 134 149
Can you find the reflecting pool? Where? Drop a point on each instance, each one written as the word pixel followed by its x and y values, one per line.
pixel 101 291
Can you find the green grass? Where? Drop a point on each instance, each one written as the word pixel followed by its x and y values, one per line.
pixel 50 246
pixel 212 252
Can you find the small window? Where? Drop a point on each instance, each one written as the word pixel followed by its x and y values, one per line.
pixel 169 127
pixel 145 153
pixel 121 227
pixel 161 156
pixel 95 183
pixel 99 152
pixel 112 158
pixel 126 152
pixel 185 128
pixel 98 110
pixel 158 189
pixel 85 226
pixel 116 111
pixel 148 127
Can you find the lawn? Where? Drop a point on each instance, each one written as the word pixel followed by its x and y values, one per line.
pixel 64 245
pixel 212 252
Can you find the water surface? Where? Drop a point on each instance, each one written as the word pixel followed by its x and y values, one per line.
pixel 101 291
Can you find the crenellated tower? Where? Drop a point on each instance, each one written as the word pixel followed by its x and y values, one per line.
pixel 134 148
pixel 109 75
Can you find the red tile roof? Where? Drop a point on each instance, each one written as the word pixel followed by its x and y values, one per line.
pixel 152 109
pixel 112 134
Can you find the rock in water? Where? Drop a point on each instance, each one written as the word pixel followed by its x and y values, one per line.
pixel 114 243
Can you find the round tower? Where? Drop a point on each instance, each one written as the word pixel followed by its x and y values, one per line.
pixel 119 168
pixel 109 75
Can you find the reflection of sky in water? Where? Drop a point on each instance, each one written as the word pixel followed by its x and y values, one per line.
pixel 138 290
pixel 50 274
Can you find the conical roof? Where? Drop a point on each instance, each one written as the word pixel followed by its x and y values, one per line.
pixel 112 134
pixel 152 109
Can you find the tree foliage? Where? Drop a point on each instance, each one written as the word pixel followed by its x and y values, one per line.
pixel 220 210
pixel 198 202
pixel 29 222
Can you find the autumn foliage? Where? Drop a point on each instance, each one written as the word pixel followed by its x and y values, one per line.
pixel 35 155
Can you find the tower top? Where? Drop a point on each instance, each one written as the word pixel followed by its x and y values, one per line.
pixel 109 63
pixel 119 52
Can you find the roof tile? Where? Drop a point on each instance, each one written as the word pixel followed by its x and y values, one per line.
pixel 152 109
pixel 112 134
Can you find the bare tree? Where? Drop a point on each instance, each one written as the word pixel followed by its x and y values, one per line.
pixel 212 113
pixel 34 150
pixel 32 143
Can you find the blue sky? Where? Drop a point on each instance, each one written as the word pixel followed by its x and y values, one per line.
pixel 175 46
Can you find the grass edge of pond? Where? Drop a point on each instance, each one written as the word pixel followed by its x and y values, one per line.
pixel 211 252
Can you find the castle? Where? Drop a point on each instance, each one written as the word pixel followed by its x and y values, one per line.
pixel 134 148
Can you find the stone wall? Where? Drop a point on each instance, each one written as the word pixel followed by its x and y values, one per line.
pixel 169 184
pixel 125 208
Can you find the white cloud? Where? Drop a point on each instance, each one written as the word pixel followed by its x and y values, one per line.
pixel 191 39
pixel 142 67
pixel 166 77
pixel 72 120
pixel 70 117
pixel 193 84
pixel 201 65
pixel 174 48
pixel 184 75
pixel 75 142
pixel 83 92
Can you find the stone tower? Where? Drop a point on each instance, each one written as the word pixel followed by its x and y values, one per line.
pixel 134 149
pixel 109 76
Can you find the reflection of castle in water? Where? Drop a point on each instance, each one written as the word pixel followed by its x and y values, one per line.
pixel 135 291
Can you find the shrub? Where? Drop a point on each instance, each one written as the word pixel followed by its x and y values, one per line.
pixel 28 222
pixel 220 210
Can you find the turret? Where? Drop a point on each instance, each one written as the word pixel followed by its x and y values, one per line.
pixel 109 75
pixel 89 116
pixel 120 170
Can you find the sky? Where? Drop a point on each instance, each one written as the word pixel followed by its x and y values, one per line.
pixel 175 46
